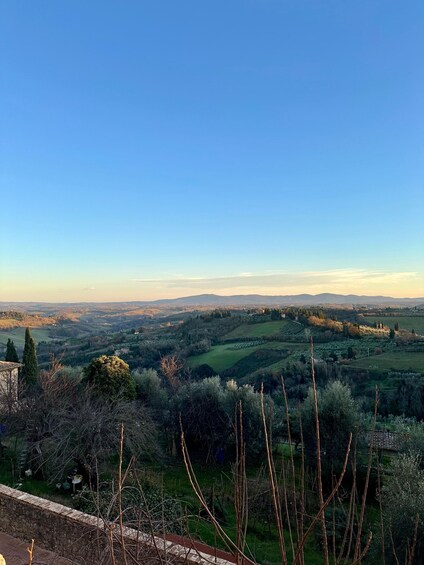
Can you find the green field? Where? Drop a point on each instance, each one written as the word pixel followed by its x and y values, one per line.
pixel 264 329
pixel 222 357
pixel 18 336
pixel 405 322
pixel 392 360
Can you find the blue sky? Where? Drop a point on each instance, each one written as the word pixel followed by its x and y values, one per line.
pixel 159 148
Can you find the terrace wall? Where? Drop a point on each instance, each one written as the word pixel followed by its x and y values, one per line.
pixel 85 539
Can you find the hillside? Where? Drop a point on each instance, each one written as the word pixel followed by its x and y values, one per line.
pixel 289 300
pixel 13 319
pixel 216 300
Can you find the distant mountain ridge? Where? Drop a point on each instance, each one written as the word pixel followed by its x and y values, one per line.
pixel 216 300
pixel 287 300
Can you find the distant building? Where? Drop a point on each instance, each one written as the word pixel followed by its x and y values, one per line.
pixel 9 381
pixel 122 351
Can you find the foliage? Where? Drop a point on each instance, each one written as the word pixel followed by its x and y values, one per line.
pixel 29 360
pixel 274 329
pixel 403 320
pixel 410 396
pixel 204 419
pixel 207 410
pixel 11 353
pixel 71 426
pixel 110 377
pixel 338 417
pixel 402 499
pixel 206 327
pixel 202 372
pixel 257 359
pixel 73 373
pixel 171 367
pixel 268 379
pixel 78 427
pixel 351 353
pixel 225 356
pixel 150 389
pixel 404 395
pixel 276 314
pixel 250 402
pixel 411 437
pixel 398 360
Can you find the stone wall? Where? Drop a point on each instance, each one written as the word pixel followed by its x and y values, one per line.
pixel 85 539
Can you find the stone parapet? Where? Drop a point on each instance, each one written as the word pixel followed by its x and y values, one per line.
pixel 87 540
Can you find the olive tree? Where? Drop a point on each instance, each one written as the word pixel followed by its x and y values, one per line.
pixel 402 498
pixel 150 389
pixel 207 411
pixel 338 417
pixel 250 402
pixel 200 406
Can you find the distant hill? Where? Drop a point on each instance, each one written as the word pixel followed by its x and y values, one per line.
pixel 13 319
pixel 215 300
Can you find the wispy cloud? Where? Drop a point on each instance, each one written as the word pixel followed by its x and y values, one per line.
pixel 343 281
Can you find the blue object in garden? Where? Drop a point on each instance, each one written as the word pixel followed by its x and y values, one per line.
pixel 220 455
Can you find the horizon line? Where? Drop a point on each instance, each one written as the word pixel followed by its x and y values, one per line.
pixel 210 294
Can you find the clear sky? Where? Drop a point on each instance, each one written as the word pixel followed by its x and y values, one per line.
pixel 160 148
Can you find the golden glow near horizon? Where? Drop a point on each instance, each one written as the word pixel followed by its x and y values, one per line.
pixel 338 281
pixel 303 156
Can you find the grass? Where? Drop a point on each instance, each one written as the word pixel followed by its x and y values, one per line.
pixel 221 357
pixel 224 356
pixel 17 335
pixel 405 322
pixel 392 360
pixel 263 329
pixel 262 539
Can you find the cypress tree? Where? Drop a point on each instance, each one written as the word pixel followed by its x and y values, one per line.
pixel 29 359
pixel 11 354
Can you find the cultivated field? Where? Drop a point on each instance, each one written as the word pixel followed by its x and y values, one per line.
pixel 405 322
pixel 245 356
pixel 222 357
pixel 18 336
pixel 265 329
pixel 392 360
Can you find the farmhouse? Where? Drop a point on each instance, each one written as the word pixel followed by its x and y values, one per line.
pixel 9 381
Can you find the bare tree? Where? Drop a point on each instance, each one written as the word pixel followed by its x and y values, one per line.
pixel 66 425
pixel 171 366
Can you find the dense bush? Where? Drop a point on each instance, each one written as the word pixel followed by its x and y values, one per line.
pixel 150 389
pixel 110 377
pixel 208 409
